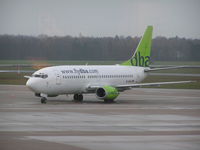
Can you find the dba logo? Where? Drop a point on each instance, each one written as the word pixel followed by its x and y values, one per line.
pixel 139 60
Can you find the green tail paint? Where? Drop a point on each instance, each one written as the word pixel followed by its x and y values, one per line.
pixel 141 56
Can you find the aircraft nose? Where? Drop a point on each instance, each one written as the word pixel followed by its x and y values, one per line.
pixel 30 84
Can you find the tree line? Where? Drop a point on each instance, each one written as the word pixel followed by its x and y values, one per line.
pixel 94 48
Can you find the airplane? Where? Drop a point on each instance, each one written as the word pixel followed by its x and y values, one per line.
pixel 105 81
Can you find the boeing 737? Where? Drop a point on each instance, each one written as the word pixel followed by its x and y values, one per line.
pixel 106 81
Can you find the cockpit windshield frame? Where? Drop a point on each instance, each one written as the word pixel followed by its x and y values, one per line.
pixel 40 75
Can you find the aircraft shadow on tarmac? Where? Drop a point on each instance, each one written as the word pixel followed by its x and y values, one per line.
pixel 88 101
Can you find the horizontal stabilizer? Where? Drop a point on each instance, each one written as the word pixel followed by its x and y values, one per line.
pixel 165 68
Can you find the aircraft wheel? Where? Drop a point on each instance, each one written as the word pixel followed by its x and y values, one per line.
pixel 78 97
pixel 75 97
pixel 43 100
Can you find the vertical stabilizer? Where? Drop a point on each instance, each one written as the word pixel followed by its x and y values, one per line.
pixel 141 56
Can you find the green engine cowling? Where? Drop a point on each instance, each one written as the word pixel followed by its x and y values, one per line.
pixel 107 93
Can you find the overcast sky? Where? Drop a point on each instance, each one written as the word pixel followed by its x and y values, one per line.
pixel 100 17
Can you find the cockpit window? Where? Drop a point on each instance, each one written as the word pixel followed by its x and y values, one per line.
pixel 41 75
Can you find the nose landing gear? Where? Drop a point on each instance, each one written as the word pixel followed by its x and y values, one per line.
pixel 43 100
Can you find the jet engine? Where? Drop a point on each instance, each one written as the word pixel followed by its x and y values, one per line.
pixel 107 93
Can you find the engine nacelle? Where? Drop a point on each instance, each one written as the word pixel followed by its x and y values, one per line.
pixel 107 93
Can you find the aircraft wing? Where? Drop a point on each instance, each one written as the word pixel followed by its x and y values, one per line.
pixel 129 86
pixel 152 84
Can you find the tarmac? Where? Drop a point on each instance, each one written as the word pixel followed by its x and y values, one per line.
pixel 140 119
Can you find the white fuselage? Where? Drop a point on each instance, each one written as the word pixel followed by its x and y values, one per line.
pixel 76 79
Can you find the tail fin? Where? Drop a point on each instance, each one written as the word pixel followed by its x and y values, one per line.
pixel 141 56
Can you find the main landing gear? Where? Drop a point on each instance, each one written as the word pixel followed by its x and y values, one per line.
pixel 78 97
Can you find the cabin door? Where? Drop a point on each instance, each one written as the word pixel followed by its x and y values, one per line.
pixel 58 77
